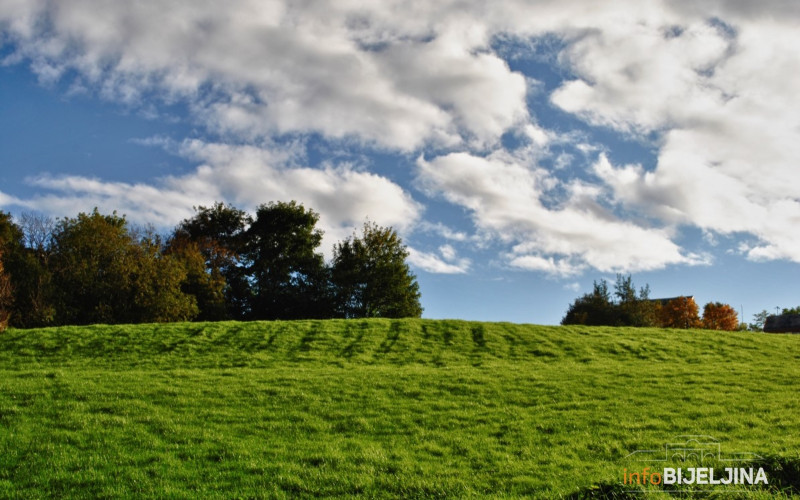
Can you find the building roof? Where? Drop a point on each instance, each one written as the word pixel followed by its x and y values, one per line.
pixel 664 301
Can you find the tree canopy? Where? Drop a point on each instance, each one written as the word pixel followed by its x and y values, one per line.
pixel 287 273
pixel 371 278
pixel 719 316
pixel 219 264
pixel 104 275
pixel 6 295
pixel 626 308
pixel 629 308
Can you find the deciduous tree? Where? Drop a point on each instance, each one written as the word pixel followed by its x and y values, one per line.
pixel 27 269
pixel 103 275
pixel 288 276
pixel 681 312
pixel 207 286
pixel 595 308
pixel 371 277
pixel 219 233
pixel 6 295
pixel 719 316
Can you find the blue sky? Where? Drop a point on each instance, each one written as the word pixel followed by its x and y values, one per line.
pixel 522 150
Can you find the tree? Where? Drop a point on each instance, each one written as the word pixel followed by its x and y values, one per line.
pixel 37 230
pixel 629 308
pixel 758 321
pixel 101 274
pixel 681 312
pixel 6 295
pixel 633 309
pixel 719 316
pixel 371 278
pixel 157 285
pixel 207 286
pixel 28 273
pixel 287 274
pixel 219 234
pixel 594 308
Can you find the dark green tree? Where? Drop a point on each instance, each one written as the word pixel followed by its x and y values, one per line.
pixel 595 308
pixel 219 233
pixel 6 295
pixel 287 274
pixel 626 308
pixel 371 278
pixel 207 286
pixel 102 274
pixel 633 309
pixel 27 268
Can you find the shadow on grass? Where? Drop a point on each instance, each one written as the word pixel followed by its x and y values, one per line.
pixel 391 337
pixel 354 346
pixel 479 336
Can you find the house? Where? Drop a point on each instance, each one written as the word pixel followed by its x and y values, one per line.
pixel 783 323
pixel 664 302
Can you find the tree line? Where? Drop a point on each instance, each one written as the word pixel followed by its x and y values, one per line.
pixel 627 307
pixel 220 264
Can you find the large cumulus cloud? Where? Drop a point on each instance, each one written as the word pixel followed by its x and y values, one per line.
pixel 709 85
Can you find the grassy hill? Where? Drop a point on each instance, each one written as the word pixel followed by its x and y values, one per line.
pixel 382 408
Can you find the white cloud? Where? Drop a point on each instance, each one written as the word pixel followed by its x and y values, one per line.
pixel 447 263
pixel 727 161
pixel 713 82
pixel 260 68
pixel 503 196
pixel 243 175
pixel 556 267
pixel 444 231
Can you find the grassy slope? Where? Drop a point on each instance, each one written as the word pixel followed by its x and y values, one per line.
pixel 411 408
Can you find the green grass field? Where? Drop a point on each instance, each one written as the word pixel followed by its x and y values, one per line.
pixel 383 408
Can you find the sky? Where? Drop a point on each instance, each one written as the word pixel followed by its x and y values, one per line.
pixel 522 149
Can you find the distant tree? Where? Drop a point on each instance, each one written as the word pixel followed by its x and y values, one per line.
pixel 371 278
pixel 627 308
pixel 287 274
pixel 595 308
pixel 718 316
pixel 10 232
pixel 791 310
pixel 37 230
pixel 758 321
pixel 28 273
pixel 6 295
pixel 157 285
pixel 33 288
pixel 633 309
pixel 101 274
pixel 681 312
pixel 10 236
pixel 207 286
pixel 219 233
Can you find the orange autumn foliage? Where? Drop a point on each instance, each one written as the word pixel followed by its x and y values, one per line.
pixel 681 312
pixel 718 316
